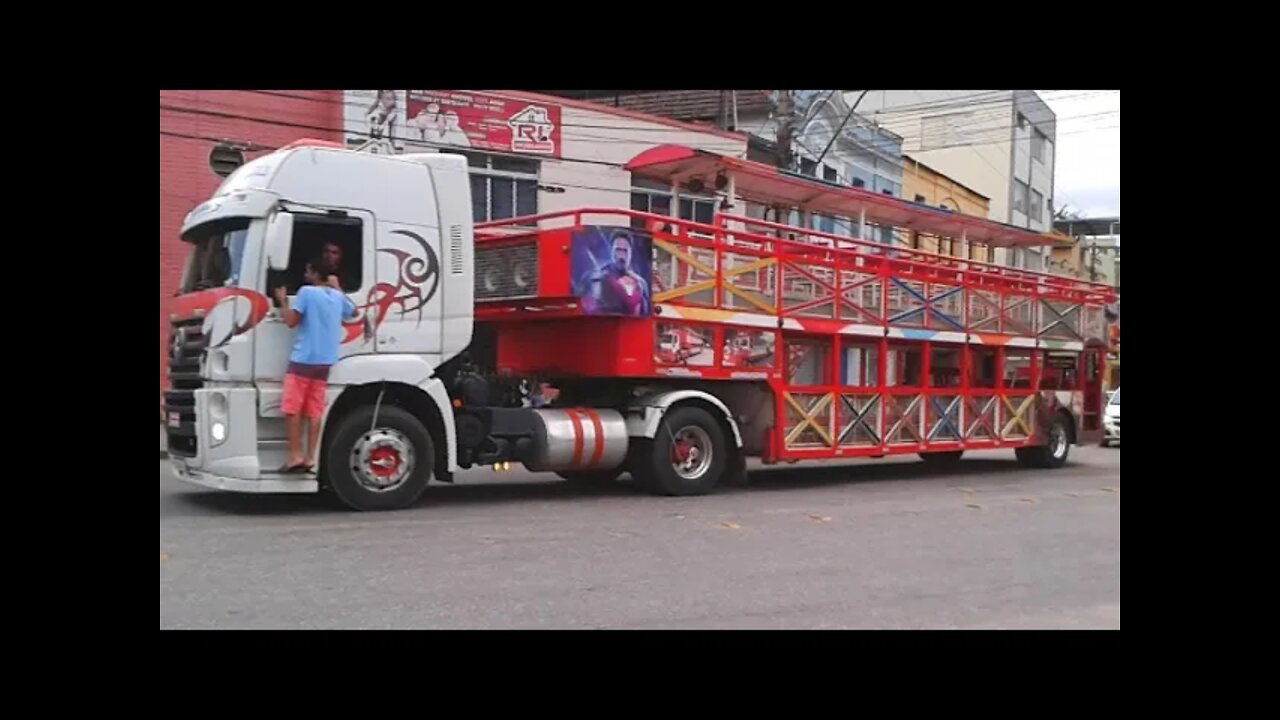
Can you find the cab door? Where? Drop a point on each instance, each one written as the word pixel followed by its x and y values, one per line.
pixel 352 232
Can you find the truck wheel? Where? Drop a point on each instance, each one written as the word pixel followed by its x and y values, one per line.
pixel 591 478
pixel 1053 454
pixel 383 468
pixel 949 457
pixel 687 457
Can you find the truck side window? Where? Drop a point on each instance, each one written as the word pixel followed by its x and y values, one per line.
pixel 314 235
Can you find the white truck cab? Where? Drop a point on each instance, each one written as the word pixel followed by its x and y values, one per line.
pixel 404 228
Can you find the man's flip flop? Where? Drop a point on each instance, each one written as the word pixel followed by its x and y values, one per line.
pixel 293 469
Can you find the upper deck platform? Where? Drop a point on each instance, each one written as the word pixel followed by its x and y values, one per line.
pixel 743 271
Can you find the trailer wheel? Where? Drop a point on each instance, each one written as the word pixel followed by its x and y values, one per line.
pixel 1053 454
pixel 591 478
pixel 382 466
pixel 949 457
pixel 688 456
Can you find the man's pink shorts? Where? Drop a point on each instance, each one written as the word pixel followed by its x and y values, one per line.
pixel 303 395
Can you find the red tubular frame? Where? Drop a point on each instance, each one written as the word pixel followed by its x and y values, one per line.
pixel 791 259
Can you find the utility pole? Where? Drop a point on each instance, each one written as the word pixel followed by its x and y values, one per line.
pixel 784 119
pixel 840 129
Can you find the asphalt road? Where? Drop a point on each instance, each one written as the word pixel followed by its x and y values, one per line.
pixel 878 544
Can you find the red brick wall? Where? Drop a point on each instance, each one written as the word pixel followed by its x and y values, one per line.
pixel 185 177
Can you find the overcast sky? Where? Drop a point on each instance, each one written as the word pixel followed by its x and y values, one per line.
pixel 1088 158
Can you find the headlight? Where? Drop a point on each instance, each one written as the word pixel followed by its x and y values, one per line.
pixel 218 411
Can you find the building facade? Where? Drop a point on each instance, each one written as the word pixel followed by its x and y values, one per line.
pixel 923 184
pixel 529 153
pixel 863 155
pixel 1095 247
pixel 1001 143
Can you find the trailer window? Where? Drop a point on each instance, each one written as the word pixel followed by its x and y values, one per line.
pixel 860 366
pixel 684 345
pixel 1060 371
pixel 982 369
pixel 904 367
pixel 807 362
pixel 944 367
pixel 748 348
pixel 1017 369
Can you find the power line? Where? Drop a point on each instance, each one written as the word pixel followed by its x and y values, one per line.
pixel 925 107
pixel 280 123
pixel 882 146
pixel 336 131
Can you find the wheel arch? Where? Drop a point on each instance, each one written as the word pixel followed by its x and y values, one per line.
pixel 645 413
pixel 1073 430
pixel 428 404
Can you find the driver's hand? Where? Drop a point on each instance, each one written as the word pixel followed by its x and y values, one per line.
pixel 333 282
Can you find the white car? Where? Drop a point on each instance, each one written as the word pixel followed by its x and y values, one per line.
pixel 1111 420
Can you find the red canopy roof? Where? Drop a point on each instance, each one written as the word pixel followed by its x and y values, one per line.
pixel 767 184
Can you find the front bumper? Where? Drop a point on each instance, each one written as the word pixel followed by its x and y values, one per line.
pixel 1111 429
pixel 301 484
pixel 237 460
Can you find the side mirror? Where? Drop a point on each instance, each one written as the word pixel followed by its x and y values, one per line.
pixel 279 240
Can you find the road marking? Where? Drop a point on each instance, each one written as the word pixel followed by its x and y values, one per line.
pixel 730 526
pixel 820 518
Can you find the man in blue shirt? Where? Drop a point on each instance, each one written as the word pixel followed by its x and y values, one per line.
pixel 317 313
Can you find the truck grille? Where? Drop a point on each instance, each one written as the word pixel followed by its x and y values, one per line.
pixel 506 272
pixel 186 347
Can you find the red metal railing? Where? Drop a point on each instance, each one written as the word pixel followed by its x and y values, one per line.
pixel 1002 288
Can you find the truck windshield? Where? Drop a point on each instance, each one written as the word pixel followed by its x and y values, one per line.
pixel 217 256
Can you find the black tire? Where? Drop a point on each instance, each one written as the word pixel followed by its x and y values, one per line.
pixel 638 454
pixel 950 457
pixel 352 435
pixel 1053 454
pixel 1105 443
pixel 591 478
pixel 654 470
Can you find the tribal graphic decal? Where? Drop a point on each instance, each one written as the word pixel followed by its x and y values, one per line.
pixel 228 312
pixel 417 280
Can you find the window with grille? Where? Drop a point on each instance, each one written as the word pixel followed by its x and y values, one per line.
pixel 501 187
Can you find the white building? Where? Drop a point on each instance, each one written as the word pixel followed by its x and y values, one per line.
pixel 863 155
pixel 1001 143
pixel 531 153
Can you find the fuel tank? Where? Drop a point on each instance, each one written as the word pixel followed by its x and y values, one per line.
pixel 575 439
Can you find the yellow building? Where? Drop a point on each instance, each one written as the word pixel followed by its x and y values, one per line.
pixel 927 186
pixel 1066 256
